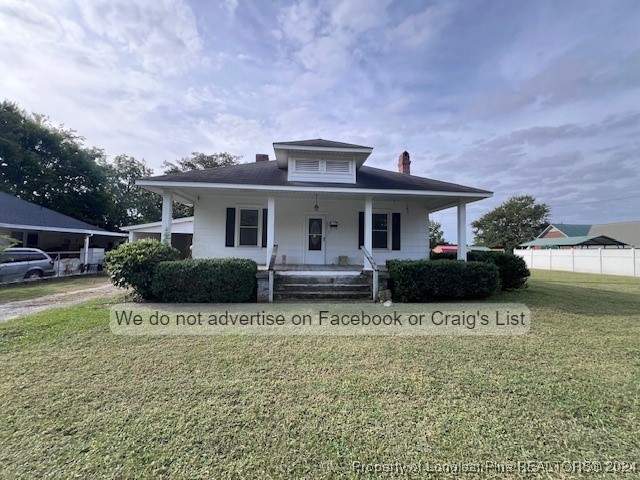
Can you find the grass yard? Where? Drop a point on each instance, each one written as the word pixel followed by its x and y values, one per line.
pixel 77 401
pixel 48 286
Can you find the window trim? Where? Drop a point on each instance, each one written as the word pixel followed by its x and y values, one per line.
pixel 389 229
pixel 258 209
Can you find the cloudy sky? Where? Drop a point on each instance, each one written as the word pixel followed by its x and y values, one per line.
pixel 528 97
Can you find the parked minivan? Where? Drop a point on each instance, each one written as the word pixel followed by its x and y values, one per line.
pixel 18 264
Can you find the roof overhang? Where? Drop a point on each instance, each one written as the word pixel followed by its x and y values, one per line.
pixel 40 228
pixel 284 151
pixel 178 225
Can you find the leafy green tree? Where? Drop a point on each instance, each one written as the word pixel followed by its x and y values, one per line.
pixel 201 161
pixel 49 166
pixel 197 161
pixel 130 204
pixel 517 220
pixel 436 235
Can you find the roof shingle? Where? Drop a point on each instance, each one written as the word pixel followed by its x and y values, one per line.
pixel 268 174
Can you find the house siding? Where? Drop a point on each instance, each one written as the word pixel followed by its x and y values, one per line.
pixel 210 221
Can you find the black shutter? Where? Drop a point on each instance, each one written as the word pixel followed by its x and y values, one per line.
pixel 264 227
pixel 395 231
pixel 360 229
pixel 230 234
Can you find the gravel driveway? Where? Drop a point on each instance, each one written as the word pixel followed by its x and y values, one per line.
pixel 21 308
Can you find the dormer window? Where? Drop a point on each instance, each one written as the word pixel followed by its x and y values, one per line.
pixel 322 170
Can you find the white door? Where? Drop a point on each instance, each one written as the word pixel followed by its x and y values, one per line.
pixel 314 245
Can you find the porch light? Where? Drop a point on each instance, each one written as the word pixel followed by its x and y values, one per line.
pixel 333 225
pixel 315 207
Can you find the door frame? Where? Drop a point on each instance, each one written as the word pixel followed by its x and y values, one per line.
pixel 305 238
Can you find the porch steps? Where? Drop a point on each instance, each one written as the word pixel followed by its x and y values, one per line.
pixel 316 287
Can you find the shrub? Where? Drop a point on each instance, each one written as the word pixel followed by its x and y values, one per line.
pixel 427 281
pixel 513 269
pixel 132 265
pixel 230 280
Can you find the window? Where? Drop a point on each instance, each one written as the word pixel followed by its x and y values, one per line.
pixel 248 225
pixel 32 240
pixel 380 230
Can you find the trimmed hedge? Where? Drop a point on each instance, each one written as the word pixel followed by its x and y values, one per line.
pixel 513 269
pixel 131 265
pixel 427 281
pixel 231 280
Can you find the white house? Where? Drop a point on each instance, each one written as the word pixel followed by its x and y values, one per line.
pixel 317 205
pixel 181 233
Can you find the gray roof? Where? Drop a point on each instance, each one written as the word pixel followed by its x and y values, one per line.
pixel 320 142
pixel 268 174
pixel 15 211
pixel 627 232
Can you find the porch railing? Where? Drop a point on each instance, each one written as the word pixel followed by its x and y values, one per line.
pixel 376 271
pixel 271 269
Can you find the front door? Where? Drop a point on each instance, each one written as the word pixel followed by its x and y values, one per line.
pixel 314 239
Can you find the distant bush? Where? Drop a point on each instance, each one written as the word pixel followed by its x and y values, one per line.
pixel 428 281
pixel 230 280
pixel 131 265
pixel 513 269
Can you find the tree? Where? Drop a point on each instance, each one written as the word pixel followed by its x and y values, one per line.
pixel 517 220
pixel 49 166
pixel 130 204
pixel 201 161
pixel 436 235
pixel 197 161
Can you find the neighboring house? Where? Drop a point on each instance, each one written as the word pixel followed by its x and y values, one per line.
pixel 181 233
pixel 613 235
pixel 454 248
pixel 34 226
pixel 318 203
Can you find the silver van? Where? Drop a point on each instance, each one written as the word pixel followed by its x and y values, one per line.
pixel 18 264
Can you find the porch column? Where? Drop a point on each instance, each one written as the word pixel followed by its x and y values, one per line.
pixel 167 217
pixel 462 230
pixel 368 234
pixel 271 226
pixel 428 237
pixel 86 251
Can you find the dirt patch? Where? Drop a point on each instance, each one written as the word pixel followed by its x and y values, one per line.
pixel 22 308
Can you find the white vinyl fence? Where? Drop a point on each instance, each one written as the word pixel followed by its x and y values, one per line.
pixel 609 261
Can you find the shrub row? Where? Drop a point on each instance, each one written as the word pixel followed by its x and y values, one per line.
pixel 205 281
pixel 153 271
pixel 513 269
pixel 427 281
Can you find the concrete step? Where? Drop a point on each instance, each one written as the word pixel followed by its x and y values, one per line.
pixel 321 280
pixel 326 295
pixel 321 287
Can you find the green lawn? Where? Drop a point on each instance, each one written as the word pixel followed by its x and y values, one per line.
pixel 28 290
pixel 77 401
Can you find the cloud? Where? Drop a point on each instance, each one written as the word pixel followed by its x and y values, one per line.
pixel 160 34
pixel 419 29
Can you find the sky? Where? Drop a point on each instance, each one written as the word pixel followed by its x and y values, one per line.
pixel 531 97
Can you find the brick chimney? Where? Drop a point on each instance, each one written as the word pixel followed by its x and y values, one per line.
pixel 404 163
pixel 262 157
